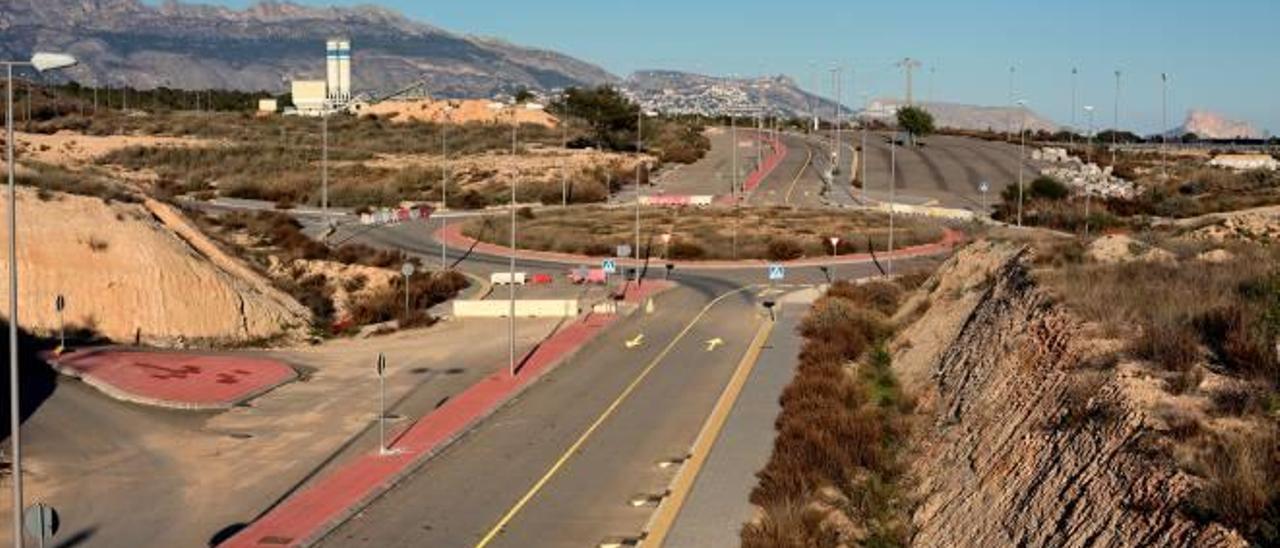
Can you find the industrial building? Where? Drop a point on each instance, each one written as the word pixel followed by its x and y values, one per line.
pixel 315 97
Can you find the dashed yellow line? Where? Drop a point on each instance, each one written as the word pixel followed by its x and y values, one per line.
pixel 662 520
pixel 524 500
pixel 799 174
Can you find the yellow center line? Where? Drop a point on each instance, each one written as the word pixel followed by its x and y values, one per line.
pixel 524 500
pixel 799 174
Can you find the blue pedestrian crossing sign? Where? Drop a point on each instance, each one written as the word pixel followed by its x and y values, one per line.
pixel 777 272
pixel 609 266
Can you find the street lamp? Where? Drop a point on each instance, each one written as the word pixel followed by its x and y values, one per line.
pixel 1022 155
pixel 1088 110
pixel 1115 126
pixel 511 279
pixel 639 166
pixel 42 62
pixel 1164 125
pixel 444 183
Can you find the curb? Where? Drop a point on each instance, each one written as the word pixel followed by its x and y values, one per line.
pixel 409 463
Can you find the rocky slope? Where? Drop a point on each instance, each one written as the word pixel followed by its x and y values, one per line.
pixel 131 272
pixel 205 46
pixel 965 117
pixel 1030 442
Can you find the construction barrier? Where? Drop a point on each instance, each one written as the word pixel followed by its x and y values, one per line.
pixel 527 308
pixel 388 215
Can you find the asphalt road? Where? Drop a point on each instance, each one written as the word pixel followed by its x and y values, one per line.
pixel 944 170
pixel 458 497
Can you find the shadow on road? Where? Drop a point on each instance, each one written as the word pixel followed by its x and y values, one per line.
pixel 82 536
pixel 226 533
pixel 38 380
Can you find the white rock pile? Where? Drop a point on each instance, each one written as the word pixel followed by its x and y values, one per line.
pixel 1082 177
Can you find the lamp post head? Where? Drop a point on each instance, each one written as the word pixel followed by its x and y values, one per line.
pixel 45 61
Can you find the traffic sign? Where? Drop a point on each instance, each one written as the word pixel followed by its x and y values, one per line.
pixel 382 364
pixel 609 266
pixel 41 521
pixel 777 272
pixel 983 186
pixel 59 303
pixel 407 269
pixel 624 251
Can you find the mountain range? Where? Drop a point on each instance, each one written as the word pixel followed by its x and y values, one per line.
pixel 193 46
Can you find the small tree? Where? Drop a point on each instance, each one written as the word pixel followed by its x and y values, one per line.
pixel 917 121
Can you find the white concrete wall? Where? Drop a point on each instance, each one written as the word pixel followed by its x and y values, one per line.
pixel 530 308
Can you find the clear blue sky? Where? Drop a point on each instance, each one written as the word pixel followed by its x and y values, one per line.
pixel 1223 56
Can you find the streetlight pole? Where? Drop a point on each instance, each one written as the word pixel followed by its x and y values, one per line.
pixel 1009 135
pixel 444 187
pixel 1088 110
pixel 1115 126
pixel 1164 125
pixel 639 168
pixel 1022 156
pixel 41 62
pixel 564 179
pixel 733 135
pixel 893 183
pixel 324 159
pixel 866 97
pixel 511 279
pixel 1072 134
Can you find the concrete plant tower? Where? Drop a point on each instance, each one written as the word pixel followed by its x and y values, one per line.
pixel 338 69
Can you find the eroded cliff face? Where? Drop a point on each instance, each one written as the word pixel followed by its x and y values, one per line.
pixel 1028 440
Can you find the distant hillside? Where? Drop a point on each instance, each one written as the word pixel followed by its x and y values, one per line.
pixel 201 46
pixel 970 117
pixel 686 93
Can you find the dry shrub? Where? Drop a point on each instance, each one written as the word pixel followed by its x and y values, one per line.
pixel 1242 488
pixel 789 524
pixel 1172 345
pixel 850 328
pixel 425 290
pixel 878 295
pixel 784 249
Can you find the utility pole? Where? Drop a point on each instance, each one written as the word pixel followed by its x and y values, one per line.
pixel 835 141
pixel 733 135
pixel 324 160
pixel 639 168
pixel 866 97
pixel 893 206
pixel 908 65
pixel 564 179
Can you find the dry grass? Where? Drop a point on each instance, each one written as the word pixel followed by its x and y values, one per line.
pixel 839 428
pixel 709 233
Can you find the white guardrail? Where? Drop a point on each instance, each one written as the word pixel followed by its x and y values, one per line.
pixel 528 308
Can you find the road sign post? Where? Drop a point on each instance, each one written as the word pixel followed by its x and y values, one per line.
pixel 60 304
pixel 609 266
pixel 382 403
pixel 407 270
pixel 983 187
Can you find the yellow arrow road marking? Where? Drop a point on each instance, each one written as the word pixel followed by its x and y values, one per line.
pixel 713 343
pixel 608 412
pixel 636 341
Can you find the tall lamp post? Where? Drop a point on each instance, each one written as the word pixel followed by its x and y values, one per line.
pixel 511 279
pixel 42 62
pixel 1115 126
pixel 1164 125
pixel 1088 111
pixel 444 184
pixel 1072 134
pixel 1022 155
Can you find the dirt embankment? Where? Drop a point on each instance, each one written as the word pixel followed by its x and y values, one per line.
pixel 135 273
pixel 462 111
pixel 1030 440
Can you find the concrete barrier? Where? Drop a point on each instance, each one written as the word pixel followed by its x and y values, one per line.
pixel 527 308
pixel 677 200
pixel 929 211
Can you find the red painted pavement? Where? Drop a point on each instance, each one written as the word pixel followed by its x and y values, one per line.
pixel 311 513
pixel 754 178
pixel 175 379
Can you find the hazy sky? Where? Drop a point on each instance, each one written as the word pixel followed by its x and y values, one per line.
pixel 1223 55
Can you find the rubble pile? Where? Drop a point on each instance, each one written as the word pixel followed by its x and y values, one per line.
pixel 1081 176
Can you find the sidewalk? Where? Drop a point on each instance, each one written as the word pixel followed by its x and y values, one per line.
pixel 311 513
pixel 717 504
pixel 174 379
